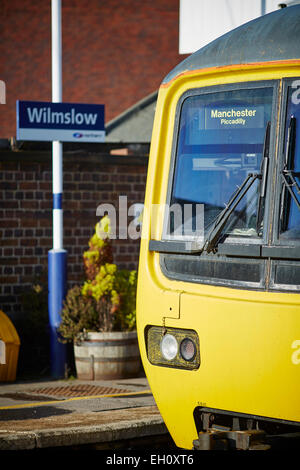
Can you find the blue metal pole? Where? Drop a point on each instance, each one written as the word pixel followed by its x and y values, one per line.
pixel 57 285
pixel 57 257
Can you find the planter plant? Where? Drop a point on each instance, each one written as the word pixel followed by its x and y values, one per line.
pixel 99 316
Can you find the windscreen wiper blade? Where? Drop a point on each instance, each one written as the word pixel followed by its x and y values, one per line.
pixel 214 234
pixel 290 183
pixel 264 173
pixel 287 174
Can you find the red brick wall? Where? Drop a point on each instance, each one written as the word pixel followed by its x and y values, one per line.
pixel 114 52
pixel 90 179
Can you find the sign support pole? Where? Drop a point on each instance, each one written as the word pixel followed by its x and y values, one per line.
pixel 57 257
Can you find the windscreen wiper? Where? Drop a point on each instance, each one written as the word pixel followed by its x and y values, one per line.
pixel 290 182
pixel 287 174
pixel 214 234
pixel 264 173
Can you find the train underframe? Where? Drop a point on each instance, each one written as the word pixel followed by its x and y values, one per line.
pixel 223 430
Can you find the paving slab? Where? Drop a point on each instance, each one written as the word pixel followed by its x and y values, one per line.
pixel 43 414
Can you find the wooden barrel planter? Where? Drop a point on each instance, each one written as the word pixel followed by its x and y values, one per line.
pixel 107 355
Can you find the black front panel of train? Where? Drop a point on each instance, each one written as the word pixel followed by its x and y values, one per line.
pixel 215 270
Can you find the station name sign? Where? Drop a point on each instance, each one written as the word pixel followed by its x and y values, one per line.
pixel 65 122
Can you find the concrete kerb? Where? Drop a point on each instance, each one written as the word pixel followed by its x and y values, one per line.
pixel 17 440
pixel 72 436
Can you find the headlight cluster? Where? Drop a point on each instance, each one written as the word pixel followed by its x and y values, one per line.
pixel 173 348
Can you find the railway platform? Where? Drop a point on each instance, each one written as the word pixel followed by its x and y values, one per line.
pixel 60 414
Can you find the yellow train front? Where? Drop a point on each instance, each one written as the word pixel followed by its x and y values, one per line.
pixel 218 307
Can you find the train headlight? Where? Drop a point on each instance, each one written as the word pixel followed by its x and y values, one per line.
pixel 188 349
pixel 169 347
pixel 172 347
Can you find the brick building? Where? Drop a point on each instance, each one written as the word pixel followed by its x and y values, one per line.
pixel 115 53
pixel 92 176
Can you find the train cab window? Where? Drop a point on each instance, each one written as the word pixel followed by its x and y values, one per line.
pixel 219 157
pixel 285 251
pixel 222 160
pixel 289 226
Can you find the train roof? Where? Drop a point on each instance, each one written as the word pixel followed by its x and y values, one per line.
pixel 272 37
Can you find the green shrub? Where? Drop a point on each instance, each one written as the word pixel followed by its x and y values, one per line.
pixel 106 300
pixel 99 252
pixel 78 314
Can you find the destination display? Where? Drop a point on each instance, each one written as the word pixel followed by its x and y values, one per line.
pixel 238 124
pixel 233 117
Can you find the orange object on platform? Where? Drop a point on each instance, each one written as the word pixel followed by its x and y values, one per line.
pixel 9 335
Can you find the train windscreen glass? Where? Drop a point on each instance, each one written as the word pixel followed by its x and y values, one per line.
pixel 220 143
pixel 290 174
